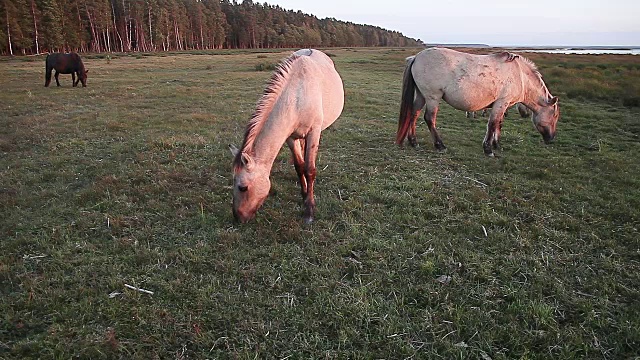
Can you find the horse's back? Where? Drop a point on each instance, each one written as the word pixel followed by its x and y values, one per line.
pixel 51 59
pixel 64 63
pixel 443 64
pixel 435 68
pixel 320 85
pixel 466 81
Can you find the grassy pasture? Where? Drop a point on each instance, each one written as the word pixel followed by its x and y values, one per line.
pixel 414 253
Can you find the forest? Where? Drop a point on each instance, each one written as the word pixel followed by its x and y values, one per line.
pixel 40 26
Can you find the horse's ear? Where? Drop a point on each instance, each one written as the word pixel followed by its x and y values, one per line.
pixel 247 160
pixel 86 71
pixel 552 101
pixel 234 150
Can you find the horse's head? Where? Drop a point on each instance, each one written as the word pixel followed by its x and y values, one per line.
pixel 251 185
pixel 82 76
pixel 546 117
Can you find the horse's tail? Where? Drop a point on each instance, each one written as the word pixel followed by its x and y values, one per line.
pixel 406 102
pixel 47 71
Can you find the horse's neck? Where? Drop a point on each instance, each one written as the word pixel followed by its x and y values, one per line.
pixel 535 91
pixel 268 141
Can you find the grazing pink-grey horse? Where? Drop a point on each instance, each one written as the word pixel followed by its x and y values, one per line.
pixel 304 96
pixel 471 83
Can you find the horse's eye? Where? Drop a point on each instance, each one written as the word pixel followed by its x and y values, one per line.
pixel 243 188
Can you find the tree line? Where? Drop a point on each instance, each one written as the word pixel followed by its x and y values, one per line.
pixel 39 26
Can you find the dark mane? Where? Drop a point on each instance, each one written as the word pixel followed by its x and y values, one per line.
pixel 265 105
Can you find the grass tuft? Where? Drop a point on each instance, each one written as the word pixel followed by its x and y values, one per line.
pixel 265 66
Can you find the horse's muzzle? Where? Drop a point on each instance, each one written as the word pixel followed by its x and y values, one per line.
pixel 548 136
pixel 241 217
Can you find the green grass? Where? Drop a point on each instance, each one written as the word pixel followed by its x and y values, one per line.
pixel 611 79
pixel 128 181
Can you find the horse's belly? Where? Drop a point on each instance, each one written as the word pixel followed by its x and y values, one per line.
pixel 469 101
pixel 65 70
pixel 472 92
pixel 312 123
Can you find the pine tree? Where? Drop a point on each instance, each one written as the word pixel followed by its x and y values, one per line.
pixel 33 26
pixel 8 16
pixel 16 26
pixel 35 15
pixel 51 25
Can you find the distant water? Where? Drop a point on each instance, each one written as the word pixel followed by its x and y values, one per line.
pixel 585 51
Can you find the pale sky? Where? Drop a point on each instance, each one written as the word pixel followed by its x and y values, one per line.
pixel 492 22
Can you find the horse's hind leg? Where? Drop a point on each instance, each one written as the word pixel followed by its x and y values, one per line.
pixel 47 77
pixel 297 152
pixel 56 76
pixel 418 104
pixel 411 135
pixel 430 115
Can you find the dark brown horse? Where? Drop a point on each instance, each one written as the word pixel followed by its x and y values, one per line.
pixel 65 64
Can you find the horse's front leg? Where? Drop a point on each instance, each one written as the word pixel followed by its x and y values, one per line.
pixel 494 127
pixel 523 110
pixel 310 154
pixel 73 79
pixel 297 152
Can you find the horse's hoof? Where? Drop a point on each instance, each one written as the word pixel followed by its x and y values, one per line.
pixel 440 147
pixel 307 217
pixel 488 151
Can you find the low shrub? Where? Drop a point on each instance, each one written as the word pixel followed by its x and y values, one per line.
pixel 265 67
